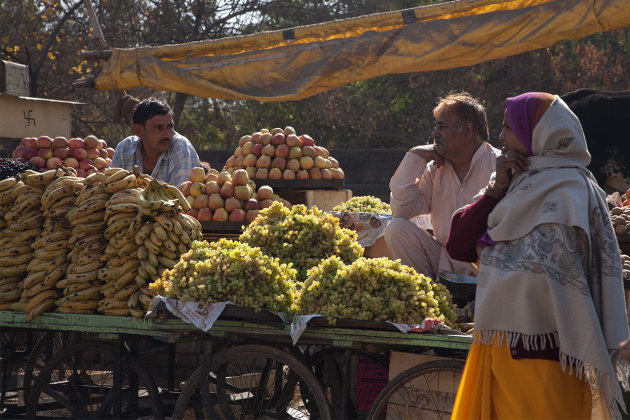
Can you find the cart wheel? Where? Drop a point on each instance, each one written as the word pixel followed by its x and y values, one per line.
pixel 48 344
pixel 427 390
pixel 327 364
pixel 78 383
pixel 252 382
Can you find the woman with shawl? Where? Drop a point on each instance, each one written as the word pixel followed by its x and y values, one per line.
pixel 549 308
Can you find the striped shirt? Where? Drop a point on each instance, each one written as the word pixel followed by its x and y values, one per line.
pixel 172 167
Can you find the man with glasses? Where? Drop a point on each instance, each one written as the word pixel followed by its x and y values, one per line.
pixel 438 179
pixel 156 148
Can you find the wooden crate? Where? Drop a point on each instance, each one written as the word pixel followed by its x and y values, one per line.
pixel 323 199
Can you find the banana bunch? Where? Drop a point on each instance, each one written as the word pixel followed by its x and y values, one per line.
pixel 123 220
pixel 161 198
pixel 51 246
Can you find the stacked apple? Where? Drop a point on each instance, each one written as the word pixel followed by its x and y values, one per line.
pixel 221 196
pixel 86 155
pixel 281 154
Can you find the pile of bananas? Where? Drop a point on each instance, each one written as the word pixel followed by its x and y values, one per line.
pixel 51 246
pixel 121 268
pixel 165 234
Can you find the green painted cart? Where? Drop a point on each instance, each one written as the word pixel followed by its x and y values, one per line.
pixel 87 366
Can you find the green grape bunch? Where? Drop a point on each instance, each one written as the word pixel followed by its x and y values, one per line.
pixel 374 289
pixel 301 236
pixel 228 270
pixel 364 204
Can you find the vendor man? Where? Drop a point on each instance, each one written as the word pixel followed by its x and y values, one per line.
pixel 156 148
pixel 437 180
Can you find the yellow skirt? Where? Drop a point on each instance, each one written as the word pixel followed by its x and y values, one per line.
pixel 495 386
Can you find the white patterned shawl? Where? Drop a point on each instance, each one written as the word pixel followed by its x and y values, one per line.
pixel 554 272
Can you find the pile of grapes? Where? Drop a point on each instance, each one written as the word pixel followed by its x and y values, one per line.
pixel 227 270
pixel 364 204
pixel 301 236
pixel 10 168
pixel 374 289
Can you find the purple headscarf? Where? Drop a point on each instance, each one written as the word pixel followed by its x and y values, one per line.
pixel 524 111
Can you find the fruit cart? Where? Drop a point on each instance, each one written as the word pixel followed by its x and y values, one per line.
pixel 89 366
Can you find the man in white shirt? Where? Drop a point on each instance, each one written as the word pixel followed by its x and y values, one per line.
pixel 156 147
pixel 437 180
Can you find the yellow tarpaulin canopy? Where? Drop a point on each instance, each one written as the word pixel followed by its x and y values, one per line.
pixel 303 61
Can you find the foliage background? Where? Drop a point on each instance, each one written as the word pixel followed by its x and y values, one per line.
pixel 393 111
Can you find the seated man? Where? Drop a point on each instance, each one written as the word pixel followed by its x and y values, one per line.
pixel 438 179
pixel 156 148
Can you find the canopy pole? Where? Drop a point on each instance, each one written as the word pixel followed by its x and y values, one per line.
pixel 95 25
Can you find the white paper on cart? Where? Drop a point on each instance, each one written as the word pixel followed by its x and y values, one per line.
pixel 200 315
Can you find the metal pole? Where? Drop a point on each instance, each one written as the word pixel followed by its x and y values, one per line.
pixel 95 25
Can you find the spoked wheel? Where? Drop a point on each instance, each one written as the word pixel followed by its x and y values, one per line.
pixel 327 365
pixel 253 382
pixel 79 383
pixel 48 344
pixel 425 391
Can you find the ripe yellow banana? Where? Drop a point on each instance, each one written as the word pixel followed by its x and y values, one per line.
pixel 90 218
pixel 121 208
pixel 43 254
pixel 79 277
pixel 18 306
pixel 91 293
pixel 38 298
pixel 139 280
pixel 165 222
pixel 16 260
pixel 144 232
pixel 96 193
pixel 76 287
pixel 11 295
pixel 116 312
pixel 14 270
pixel 35 290
pixel 160 232
pixel 166 262
pixel 151 247
pixel 27 235
pixel 43 178
pixel 7 183
pixel 34 278
pixel 170 254
pixel 149 269
pixel 8 287
pixel 50 197
pixel 95 178
pixel 84 268
pixel 122 199
pixel 62 202
pixel 91 206
pixel 39 309
pixel 125 291
pixel 54 275
pixel 15 251
pixel 119 226
pixel 124 280
pixel 179 196
pixel 182 248
pixel 91 227
pixel 81 305
pixel 116 176
pixel 124 183
pixel 61 244
pixel 113 170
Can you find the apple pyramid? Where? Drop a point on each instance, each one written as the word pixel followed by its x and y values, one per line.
pixel 224 196
pixel 281 154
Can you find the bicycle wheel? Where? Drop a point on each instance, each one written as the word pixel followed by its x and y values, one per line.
pixel 78 383
pixel 253 381
pixel 425 391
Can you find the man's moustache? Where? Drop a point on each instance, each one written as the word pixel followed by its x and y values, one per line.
pixel 437 140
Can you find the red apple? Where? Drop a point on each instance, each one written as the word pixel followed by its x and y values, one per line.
pixel 294 165
pixel 252 204
pixel 29 142
pixel 197 174
pixel 295 152
pixel 315 173
pixel 200 202
pixel 193 213
pixel 75 143
pixel 309 151
pixel 18 151
pixel 247 148
pixel 45 153
pixel 334 162
pixel 302 174
pixel 80 172
pixel 243 192
pixel 21 160
pixel 204 215
pixel 91 142
pixel 212 187
pixel 212 175
pixel 263 162
pixel 220 215
pixel 266 138
pixel 257 149
pixel 337 173
pixel 59 142
pixel 184 187
pixel 104 153
pixel 240 177
pixel 279 162
pixel 100 163
pixel 238 151
pixel 293 141
pixel 215 201
pixel 306 162
pixel 197 188
pixel 277 139
pixel 86 164
pixel 224 177
pixel 288 130
pixel 288 174
pixel 307 140
pixel 282 150
pixel 264 192
pixel 275 131
pixel 110 152
pixel 262 173
pixel 78 153
pixel 237 215
pixel 251 171
pixel 266 203
pixel 249 160
pixel 93 153
pixel 269 150
pixel 244 140
pixel 44 141
pixel 275 173
pixel 232 203
pixel 53 162
pixel 255 138
pixel 230 162
pixel 61 153
pixel 29 152
pixel 102 144
pixel 326 174
pixel 227 189
pixel 251 215
pixel 320 162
